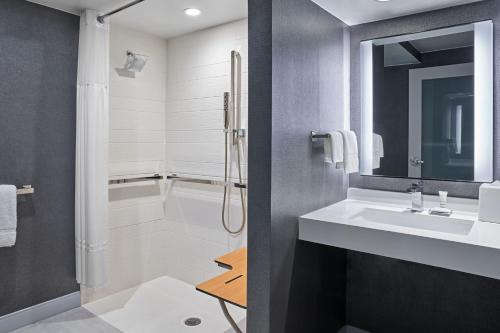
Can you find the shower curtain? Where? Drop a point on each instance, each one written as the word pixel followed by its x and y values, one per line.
pixel 92 152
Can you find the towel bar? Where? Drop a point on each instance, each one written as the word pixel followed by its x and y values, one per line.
pixel 204 181
pixel 26 189
pixel 135 180
pixel 315 136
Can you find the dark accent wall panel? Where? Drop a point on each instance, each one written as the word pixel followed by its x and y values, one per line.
pixel 259 166
pixel 318 289
pixel 479 11
pixel 393 296
pixel 38 67
pixel 296 85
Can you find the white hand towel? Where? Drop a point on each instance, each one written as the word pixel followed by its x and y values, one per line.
pixel 378 150
pixel 351 158
pixel 8 215
pixel 334 148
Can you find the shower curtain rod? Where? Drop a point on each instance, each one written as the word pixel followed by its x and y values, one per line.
pixel 101 18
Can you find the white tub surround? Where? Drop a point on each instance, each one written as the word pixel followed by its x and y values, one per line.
pixel 378 222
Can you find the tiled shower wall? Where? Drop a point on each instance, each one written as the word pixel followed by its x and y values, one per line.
pixel 198 74
pixel 168 119
pixel 199 66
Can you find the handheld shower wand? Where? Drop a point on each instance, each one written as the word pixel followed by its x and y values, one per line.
pixel 226 110
pixel 233 101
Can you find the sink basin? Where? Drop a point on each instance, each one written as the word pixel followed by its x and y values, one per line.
pixel 405 218
pixel 378 223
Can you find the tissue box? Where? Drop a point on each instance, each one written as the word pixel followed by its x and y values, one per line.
pixel 489 202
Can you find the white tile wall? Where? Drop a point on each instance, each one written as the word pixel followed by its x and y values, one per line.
pixel 169 119
pixel 199 66
pixel 137 104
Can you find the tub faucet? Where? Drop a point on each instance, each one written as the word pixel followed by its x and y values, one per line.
pixel 417 199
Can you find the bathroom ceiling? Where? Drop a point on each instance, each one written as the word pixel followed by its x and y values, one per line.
pixel 163 18
pixel 447 42
pixel 355 12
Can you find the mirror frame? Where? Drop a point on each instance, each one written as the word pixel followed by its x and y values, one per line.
pixel 483 100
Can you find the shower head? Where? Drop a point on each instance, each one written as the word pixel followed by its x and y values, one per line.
pixel 135 62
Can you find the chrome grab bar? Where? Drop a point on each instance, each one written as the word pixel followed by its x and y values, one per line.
pixel 135 180
pixel 205 181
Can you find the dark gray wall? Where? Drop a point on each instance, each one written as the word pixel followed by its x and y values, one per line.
pixel 296 56
pixel 484 10
pixel 388 295
pixel 259 168
pixel 38 64
pixel 394 296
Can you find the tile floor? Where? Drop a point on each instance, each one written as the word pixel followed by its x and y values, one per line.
pixel 157 306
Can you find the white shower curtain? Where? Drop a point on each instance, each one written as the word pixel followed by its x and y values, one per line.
pixel 92 152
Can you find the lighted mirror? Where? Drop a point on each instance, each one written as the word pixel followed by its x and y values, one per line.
pixel 427 104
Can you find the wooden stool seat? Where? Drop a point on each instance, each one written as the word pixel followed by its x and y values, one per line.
pixel 231 286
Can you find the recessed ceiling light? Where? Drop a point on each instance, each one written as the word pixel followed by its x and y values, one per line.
pixel 382 0
pixel 192 11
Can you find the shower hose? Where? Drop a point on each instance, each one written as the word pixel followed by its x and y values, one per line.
pixel 227 188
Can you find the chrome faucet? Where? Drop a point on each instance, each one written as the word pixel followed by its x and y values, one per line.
pixel 417 199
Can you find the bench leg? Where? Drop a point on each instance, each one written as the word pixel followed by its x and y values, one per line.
pixel 228 316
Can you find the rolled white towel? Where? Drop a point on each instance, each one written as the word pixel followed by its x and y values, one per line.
pixel 8 215
pixel 351 158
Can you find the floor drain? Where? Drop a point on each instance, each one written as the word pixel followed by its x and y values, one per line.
pixel 192 321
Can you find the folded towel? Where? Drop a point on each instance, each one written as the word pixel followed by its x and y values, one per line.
pixel 489 197
pixel 8 215
pixel 334 148
pixel 378 150
pixel 351 158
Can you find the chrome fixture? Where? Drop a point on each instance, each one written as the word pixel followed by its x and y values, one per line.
pixel 135 62
pixel 228 317
pixel 174 177
pixel 26 189
pixel 417 199
pixel 315 136
pixel 193 321
pixel 155 176
pixel 416 162
pixel 101 18
pixel 232 126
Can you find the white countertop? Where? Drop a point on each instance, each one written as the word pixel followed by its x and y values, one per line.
pixel 476 251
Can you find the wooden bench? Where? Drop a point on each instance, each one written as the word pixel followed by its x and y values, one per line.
pixel 231 286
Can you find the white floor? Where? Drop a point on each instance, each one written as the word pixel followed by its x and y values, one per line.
pixel 161 305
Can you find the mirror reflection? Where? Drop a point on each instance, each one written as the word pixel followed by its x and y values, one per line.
pixel 421 117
